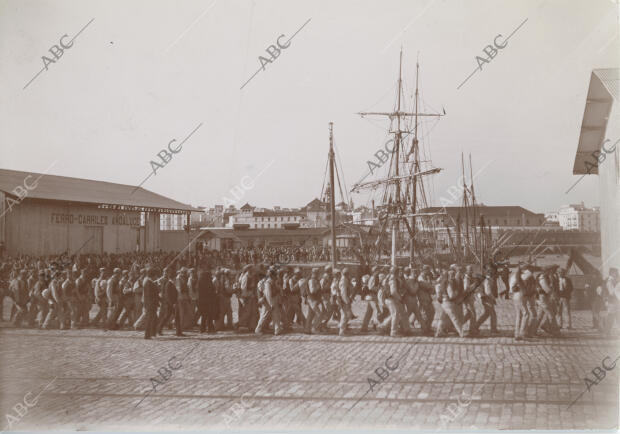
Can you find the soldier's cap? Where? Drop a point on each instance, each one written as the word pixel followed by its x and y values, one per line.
pixel 336 271
pixel 125 272
pixel 297 270
pixel 374 269
pixel 407 268
pixel 381 276
pixel 117 270
pixel 469 268
pixel 426 268
pixel 452 266
pixel 315 270
pixel 102 269
pixel 345 270
pixel 328 267
pixel 246 268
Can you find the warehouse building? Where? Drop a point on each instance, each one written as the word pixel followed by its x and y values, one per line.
pixel 43 214
pixel 598 154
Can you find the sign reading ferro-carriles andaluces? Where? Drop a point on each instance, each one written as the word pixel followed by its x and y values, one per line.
pixel 81 219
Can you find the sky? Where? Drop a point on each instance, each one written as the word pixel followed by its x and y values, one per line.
pixel 143 73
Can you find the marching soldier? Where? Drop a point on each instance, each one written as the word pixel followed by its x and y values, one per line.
pixel 192 285
pixel 127 298
pixel 392 298
pixel 487 297
pixel 283 279
pixel 183 300
pixel 328 308
pixel 369 296
pixel 345 299
pixel 519 291
pixel 48 296
pixel 410 298
pixel 247 298
pixel 546 319
pixel 150 302
pixel 113 293
pixel 447 296
pixel 315 308
pixel 293 299
pixel 72 306
pixel 57 301
pixel 20 295
pixel 98 302
pixel 38 303
pixel 170 304
pixel 334 294
pixel 83 299
pixel 225 294
pixel 426 288
pixel 467 283
pixel 269 302
pixel 138 292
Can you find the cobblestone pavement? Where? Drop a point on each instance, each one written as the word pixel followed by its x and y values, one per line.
pixel 95 379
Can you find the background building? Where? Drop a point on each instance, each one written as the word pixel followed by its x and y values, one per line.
pixel 251 217
pixel 579 218
pixel 56 214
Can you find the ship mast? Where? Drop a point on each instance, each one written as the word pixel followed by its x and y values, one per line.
pixel 401 208
pixel 416 160
pixel 332 196
pixel 396 204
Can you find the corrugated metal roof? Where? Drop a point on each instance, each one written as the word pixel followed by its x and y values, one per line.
pixel 603 90
pixel 53 187
pixel 610 77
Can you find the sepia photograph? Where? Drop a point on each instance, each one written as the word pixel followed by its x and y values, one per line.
pixel 234 216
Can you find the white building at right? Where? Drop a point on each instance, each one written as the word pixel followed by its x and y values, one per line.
pixel 578 217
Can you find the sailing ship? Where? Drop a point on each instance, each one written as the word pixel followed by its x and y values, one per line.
pixel 404 210
pixel 404 189
pixel 408 230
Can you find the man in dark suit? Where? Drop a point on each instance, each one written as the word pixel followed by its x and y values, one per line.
pixel 208 306
pixel 150 301
pixel 170 304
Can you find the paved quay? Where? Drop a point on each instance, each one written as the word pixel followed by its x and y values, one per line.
pixel 95 379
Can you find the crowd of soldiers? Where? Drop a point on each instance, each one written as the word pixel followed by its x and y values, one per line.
pixel 155 291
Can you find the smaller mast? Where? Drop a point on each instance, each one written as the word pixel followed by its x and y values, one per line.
pixel 332 196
